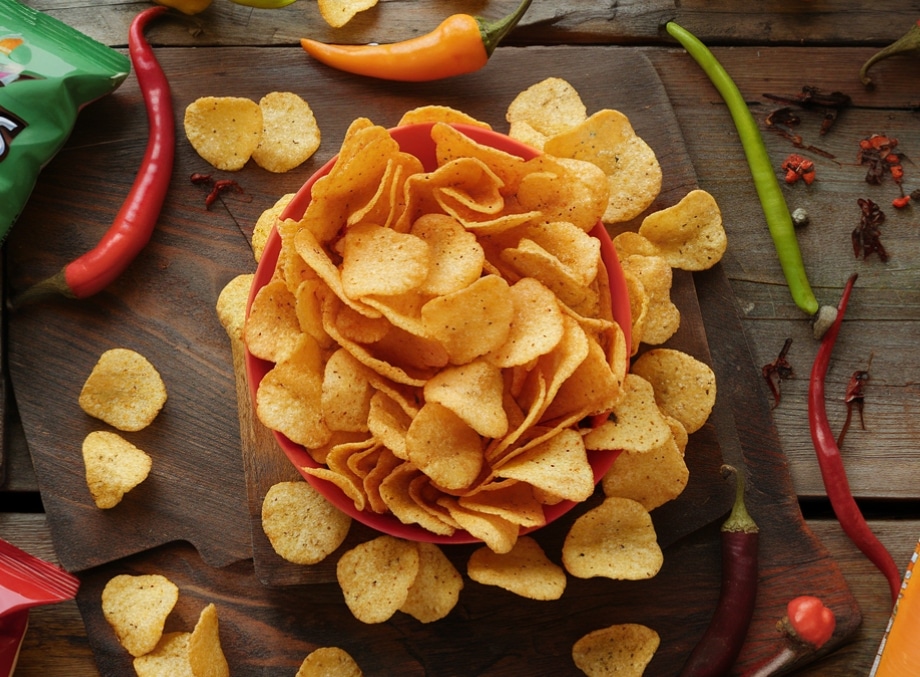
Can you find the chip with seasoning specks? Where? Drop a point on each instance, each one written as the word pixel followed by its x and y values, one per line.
pixel 136 607
pixel 113 467
pixel 123 389
pixel 224 130
pixel 329 661
pixel 290 134
pixel 302 526
pixel 623 650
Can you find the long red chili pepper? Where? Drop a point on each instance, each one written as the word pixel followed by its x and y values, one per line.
pixel 460 44
pixel 135 222
pixel 832 471
pixel 720 645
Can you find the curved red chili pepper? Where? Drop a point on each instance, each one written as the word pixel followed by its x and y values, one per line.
pixel 135 222
pixel 832 471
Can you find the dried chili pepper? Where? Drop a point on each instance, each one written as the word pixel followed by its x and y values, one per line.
pixel 796 167
pixel 807 626
pixel 832 470
pixel 867 236
pixel 812 97
pixel 778 370
pixel 460 44
pixel 135 222
pixel 909 43
pixel 901 202
pixel 221 186
pixel 878 153
pixel 721 643
pixel 778 218
pixel 855 397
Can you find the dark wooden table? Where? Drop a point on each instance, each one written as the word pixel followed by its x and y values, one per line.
pixel 776 47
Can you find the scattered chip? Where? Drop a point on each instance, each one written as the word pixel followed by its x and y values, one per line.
pixel 266 222
pixel 290 134
pixel 689 235
pixel 169 658
pixel 136 607
pixel 545 109
pixel 636 423
pixel 205 654
pixel 224 130
pixel 329 661
pixel 302 526
pixel 615 540
pixel 113 467
pixel 337 13
pixel 685 387
pixel 436 588
pixel 525 570
pixel 652 478
pixel 376 576
pixel 124 389
pixel 231 305
pixel 623 650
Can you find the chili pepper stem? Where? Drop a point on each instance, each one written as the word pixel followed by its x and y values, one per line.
pixel 780 660
pixel 776 211
pixel 493 32
pixel 56 285
pixel 906 44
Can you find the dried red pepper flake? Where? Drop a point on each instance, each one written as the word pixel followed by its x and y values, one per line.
pixel 221 186
pixel 878 153
pixel 867 235
pixel 778 370
pixel 901 202
pixel 198 178
pixel 855 397
pixel 796 167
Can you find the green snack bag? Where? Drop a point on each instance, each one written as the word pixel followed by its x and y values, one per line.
pixel 48 72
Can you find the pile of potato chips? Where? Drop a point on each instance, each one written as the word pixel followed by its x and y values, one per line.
pixel 442 343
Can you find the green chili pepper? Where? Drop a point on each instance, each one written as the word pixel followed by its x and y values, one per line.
pixel 909 43
pixel 779 220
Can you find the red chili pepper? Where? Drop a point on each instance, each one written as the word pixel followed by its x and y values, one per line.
pixel 832 470
pixel 720 645
pixel 135 222
pixel 807 626
pixel 460 44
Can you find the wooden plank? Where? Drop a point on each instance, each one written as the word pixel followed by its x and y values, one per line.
pixel 569 22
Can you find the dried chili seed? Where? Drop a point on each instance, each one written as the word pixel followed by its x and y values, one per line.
pixel 867 235
pixel 778 370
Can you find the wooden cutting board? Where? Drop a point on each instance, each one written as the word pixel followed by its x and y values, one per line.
pixel 206 492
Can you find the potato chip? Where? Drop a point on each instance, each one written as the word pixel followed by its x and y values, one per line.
pixel 662 319
pixel 337 13
pixel 301 525
pixel 204 651
pixel 444 447
pixel 636 423
pixel 436 588
pixel 549 107
pixel 689 235
pixel 639 302
pixel 615 540
pixel 685 387
pixel 396 492
pixel 456 257
pixel 536 325
pixel 136 607
pixel 608 140
pixel 629 242
pixel 509 499
pixel 558 465
pixel 435 113
pixel 473 391
pixel 169 658
pixel 224 130
pixel 123 389
pixel 266 222
pixel 329 661
pixel 652 478
pixel 623 650
pixel 376 576
pixel 495 531
pixel 113 467
pixel 473 321
pixel 377 260
pixel 346 396
pixel 272 330
pixel 231 305
pixel 289 397
pixel 564 189
pixel 290 134
pixel 452 144
pixel 525 570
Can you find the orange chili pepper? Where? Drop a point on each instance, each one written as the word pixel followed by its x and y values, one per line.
pixel 460 44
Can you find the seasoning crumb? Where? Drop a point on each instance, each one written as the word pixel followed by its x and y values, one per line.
pixel 800 218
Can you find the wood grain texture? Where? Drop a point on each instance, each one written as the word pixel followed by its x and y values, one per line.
pixel 776 22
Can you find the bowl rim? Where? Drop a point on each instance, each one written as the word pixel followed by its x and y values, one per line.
pixel 408 136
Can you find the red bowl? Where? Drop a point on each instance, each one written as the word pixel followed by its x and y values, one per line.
pixel 416 139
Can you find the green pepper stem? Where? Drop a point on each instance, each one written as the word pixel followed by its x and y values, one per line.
pixel 906 44
pixel 493 32
pixel 739 519
pixel 776 212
